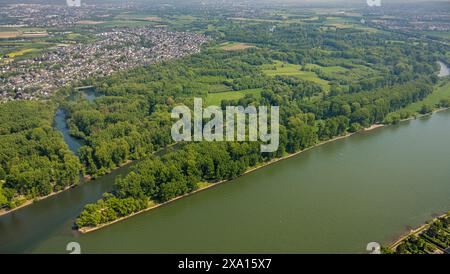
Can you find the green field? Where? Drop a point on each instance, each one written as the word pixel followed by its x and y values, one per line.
pixel 218 88
pixel 286 69
pixel 126 23
pixel 212 79
pixel 441 92
pixel 21 50
pixel 439 34
pixel 215 99
pixel 336 71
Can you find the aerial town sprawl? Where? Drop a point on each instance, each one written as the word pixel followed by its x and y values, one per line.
pixel 110 51
pixel 114 51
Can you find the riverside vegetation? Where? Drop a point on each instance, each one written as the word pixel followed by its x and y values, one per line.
pixel 34 159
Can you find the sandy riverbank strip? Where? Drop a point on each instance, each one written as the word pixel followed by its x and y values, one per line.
pixel 415 232
pixel 30 202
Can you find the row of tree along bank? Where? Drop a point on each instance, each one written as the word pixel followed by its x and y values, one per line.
pixel 430 238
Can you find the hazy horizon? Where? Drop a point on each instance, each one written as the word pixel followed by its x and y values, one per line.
pixel 218 1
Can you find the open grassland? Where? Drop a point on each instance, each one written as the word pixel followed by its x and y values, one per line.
pixel 138 16
pixel 215 99
pixel 259 20
pixel 118 23
pixel 336 71
pixel 286 69
pixel 441 92
pixel 231 46
pixel 438 34
pixel 214 84
pixel 181 21
pixel 211 79
pixel 352 26
pixel 214 88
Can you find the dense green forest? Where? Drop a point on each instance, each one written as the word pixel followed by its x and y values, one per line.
pixel 354 79
pixel 34 159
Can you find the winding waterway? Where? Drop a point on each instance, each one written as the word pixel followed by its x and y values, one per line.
pixel 335 198
pixel 61 124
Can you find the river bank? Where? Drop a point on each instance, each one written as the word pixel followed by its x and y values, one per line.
pixel 86 179
pixel 31 201
pixel 415 232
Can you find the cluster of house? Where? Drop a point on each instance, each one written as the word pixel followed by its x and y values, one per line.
pixel 115 50
pixel 42 15
pixel 438 21
pixel 412 25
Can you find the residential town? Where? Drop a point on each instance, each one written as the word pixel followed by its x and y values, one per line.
pixel 416 24
pixel 113 51
pixel 410 18
pixel 42 15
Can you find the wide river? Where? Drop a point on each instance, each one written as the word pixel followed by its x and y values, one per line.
pixel 336 198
